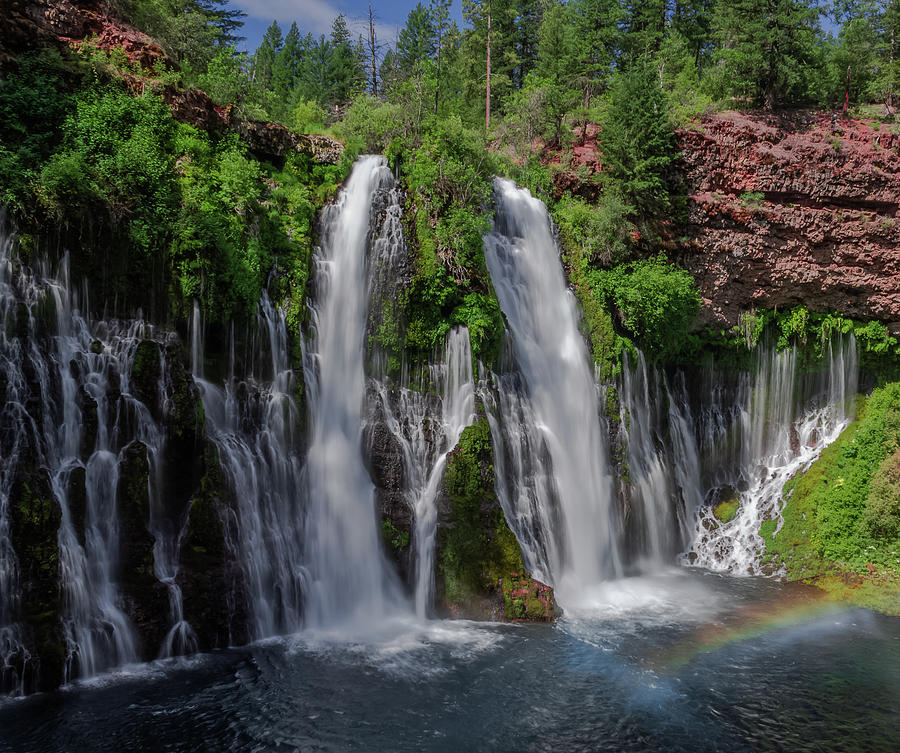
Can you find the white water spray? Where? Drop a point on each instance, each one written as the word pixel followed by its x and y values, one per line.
pixel 350 585
pixel 523 260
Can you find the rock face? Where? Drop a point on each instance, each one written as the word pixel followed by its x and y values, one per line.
pixel 793 210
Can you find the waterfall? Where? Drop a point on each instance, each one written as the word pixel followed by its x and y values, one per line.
pixel 255 423
pixel 785 420
pixel 426 433
pixel 662 462
pixel 523 472
pixel 350 582
pixel 561 394
pixel 18 430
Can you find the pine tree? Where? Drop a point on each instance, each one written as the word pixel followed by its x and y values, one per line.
pixel 344 73
pixel 644 22
pixel 638 141
pixel 597 36
pixel 264 58
pixel 415 43
pixel 440 23
pixel 767 47
pixel 557 63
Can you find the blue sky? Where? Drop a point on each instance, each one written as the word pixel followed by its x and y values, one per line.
pixel 316 16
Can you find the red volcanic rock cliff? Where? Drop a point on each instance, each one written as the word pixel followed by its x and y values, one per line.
pixel 825 231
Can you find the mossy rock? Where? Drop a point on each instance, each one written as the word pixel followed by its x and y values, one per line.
pixel 90 424
pixel 726 507
pixel 480 568
pixel 145 374
pixel 35 519
pixel 146 599
pixel 76 495
pixel 210 579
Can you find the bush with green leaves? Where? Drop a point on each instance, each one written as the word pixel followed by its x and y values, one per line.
pixel 449 181
pixel 188 213
pixel 654 300
pixel 602 232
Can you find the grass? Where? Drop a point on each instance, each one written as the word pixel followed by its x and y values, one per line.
pixel 840 531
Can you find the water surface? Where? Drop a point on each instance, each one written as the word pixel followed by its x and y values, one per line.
pixel 680 661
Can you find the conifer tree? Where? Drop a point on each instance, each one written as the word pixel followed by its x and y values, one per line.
pixel 264 59
pixel 767 47
pixel 415 43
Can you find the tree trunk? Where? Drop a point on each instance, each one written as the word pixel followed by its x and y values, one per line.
pixel 487 95
pixel 373 49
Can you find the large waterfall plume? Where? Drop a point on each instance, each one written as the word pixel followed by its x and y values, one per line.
pixel 350 582
pixel 559 407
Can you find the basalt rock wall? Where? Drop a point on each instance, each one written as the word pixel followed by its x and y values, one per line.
pixel 792 210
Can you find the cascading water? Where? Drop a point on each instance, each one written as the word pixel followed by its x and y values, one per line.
pixel 255 426
pixel 523 471
pixel 663 476
pixel 785 422
pixel 426 435
pixel 70 417
pixel 523 260
pixel 350 583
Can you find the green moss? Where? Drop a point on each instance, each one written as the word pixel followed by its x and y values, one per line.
pixel 146 370
pixel 35 517
pixel 827 535
pixel 394 538
pixel 479 558
pixel 727 508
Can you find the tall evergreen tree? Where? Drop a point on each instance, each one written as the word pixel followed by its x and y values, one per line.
pixel 556 67
pixel 439 12
pixel 264 58
pixel 597 36
pixel 415 43
pixel 767 48
pixel 638 141
pixel 644 23
pixel 345 75
pixel 288 61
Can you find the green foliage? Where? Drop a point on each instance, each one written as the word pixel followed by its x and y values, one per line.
pixel 371 123
pixel 197 209
pixel 478 546
pixel 449 180
pixel 767 50
pixel 810 332
pixel 638 142
pixel 308 117
pixel 842 512
pixel 656 301
pixel 881 516
pixel 602 232
pixel 394 538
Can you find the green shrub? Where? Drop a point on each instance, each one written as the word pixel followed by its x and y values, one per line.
pixel 655 300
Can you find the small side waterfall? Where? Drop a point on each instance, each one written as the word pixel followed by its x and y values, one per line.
pixel 663 468
pixel 255 423
pixel 562 396
pixel 350 583
pixel 72 419
pixel 426 433
pixel 785 421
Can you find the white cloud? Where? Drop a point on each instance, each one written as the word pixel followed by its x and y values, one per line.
pixel 315 16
